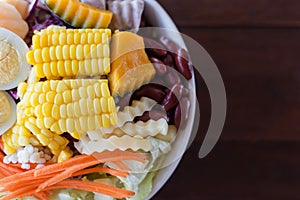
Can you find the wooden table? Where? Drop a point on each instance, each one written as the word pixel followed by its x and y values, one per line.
pixel 256 46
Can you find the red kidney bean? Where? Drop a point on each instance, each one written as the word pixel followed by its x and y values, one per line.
pixel 169 44
pixel 183 65
pixel 154 48
pixel 172 78
pixel 152 91
pixel 170 115
pixel 159 66
pixel 172 97
pixel 183 108
pixel 169 61
pixel 152 114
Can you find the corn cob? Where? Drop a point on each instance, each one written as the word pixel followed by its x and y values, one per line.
pixel 73 106
pixel 48 38
pixel 17 137
pixel 69 53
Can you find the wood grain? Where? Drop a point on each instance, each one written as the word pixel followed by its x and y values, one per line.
pixel 256 46
pixel 260 69
pixel 237 170
pixel 234 13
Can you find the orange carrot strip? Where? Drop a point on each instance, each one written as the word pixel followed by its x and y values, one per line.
pixel 5 172
pixel 102 157
pixel 121 165
pixel 63 165
pixel 16 176
pixel 93 187
pixel 66 174
pixel 32 165
pixel 41 195
pixel 10 168
pixel 20 192
pixel 19 184
pixel 103 170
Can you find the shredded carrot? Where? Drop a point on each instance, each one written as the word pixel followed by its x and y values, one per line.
pixel 41 195
pixel 20 192
pixel 93 187
pixel 66 174
pixel 63 165
pixel 106 156
pixel 103 170
pixel 10 168
pixel 121 165
pixel 36 182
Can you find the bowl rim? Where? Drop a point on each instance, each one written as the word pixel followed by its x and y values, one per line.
pixel 163 20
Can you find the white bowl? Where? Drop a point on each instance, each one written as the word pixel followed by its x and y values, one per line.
pixel 158 17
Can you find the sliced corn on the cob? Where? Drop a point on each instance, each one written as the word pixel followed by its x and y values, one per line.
pixel 67 53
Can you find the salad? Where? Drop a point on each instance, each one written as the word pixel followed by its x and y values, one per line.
pixel 88 107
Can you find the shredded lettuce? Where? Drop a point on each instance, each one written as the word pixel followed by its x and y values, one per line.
pixel 72 194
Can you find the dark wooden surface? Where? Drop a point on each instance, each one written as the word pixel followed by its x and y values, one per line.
pixel 256 46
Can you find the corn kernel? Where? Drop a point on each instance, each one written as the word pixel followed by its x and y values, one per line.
pixel 58 99
pixel 99 51
pixel 113 118
pixel 33 129
pixel 62 38
pixel 53 145
pixel 46 54
pixel 77 112
pixel 38 111
pixel 91 123
pixel 83 106
pixel 38 70
pixel 83 123
pixel 97 107
pixel 104 90
pixel 81 67
pixel 60 140
pixel 63 111
pixel 88 66
pixel 98 121
pixel 55 127
pixel 83 92
pixel 34 99
pixel 48 121
pixel 46 86
pixel 70 126
pixel 61 86
pixel 46 133
pixel 86 51
pixel 67 96
pixel 61 68
pixel 70 110
pixel 105 120
pixel 62 124
pixel 43 139
pixel 40 123
pixel 79 52
pixel 104 105
pixel 55 112
pixel 70 38
pixel 50 96
pixel 47 109
pixel 64 155
pixel 23 140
